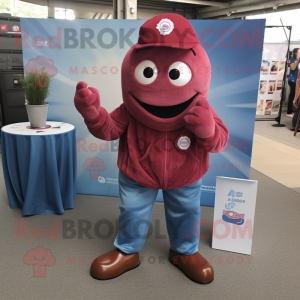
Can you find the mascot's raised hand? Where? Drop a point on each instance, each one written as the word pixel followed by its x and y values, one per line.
pixel 87 102
pixel 200 120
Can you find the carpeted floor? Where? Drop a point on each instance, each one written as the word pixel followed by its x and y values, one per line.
pixel 272 272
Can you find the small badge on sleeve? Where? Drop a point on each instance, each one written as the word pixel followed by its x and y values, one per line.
pixel 183 143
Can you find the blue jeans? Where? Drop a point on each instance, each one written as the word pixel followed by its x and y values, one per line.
pixel 182 211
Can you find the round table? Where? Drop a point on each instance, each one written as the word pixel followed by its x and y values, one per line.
pixel 39 167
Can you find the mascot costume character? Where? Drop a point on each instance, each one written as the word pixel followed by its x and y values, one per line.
pixel 166 129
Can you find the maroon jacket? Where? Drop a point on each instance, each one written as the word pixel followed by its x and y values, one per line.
pixel 152 158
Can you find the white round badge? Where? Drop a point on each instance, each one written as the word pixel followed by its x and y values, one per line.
pixel 165 26
pixel 183 142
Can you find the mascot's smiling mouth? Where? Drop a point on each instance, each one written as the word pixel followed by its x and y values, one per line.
pixel 166 112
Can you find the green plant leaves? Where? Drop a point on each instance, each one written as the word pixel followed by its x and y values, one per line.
pixel 36 87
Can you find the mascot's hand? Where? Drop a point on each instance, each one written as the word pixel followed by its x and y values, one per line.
pixel 200 120
pixel 87 101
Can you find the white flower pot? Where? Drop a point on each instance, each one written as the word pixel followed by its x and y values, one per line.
pixel 37 115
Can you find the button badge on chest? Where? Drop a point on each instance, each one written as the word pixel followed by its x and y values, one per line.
pixel 183 143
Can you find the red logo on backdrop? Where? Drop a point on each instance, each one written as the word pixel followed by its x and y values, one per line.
pixel 4 27
pixel 15 28
pixel 39 258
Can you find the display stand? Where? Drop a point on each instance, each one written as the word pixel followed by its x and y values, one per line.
pixel 278 118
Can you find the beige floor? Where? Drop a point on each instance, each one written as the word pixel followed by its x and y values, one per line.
pixel 277 160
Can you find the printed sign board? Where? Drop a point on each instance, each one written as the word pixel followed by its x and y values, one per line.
pixel 234 214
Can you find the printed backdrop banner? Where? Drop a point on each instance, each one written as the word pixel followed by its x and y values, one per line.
pixel 93 51
pixel 271 78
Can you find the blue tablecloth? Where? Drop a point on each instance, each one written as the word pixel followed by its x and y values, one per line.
pixel 40 170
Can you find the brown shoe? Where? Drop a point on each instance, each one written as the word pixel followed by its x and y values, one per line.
pixel 113 264
pixel 194 266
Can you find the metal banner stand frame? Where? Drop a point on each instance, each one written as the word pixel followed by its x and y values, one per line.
pixel 278 118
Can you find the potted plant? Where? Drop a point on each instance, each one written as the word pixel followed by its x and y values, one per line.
pixel 36 88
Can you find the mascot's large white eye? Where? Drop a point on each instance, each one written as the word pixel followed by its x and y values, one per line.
pixel 146 72
pixel 180 73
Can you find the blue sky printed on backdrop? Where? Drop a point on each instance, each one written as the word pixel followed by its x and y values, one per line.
pixel 233 89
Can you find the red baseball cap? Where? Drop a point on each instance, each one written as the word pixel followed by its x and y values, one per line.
pixel 167 30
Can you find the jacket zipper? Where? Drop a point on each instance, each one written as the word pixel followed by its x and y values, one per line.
pixel 166 157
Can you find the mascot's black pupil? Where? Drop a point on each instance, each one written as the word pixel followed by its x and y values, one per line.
pixel 174 74
pixel 148 72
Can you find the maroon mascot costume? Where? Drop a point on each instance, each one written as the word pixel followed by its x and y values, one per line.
pixel 166 129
